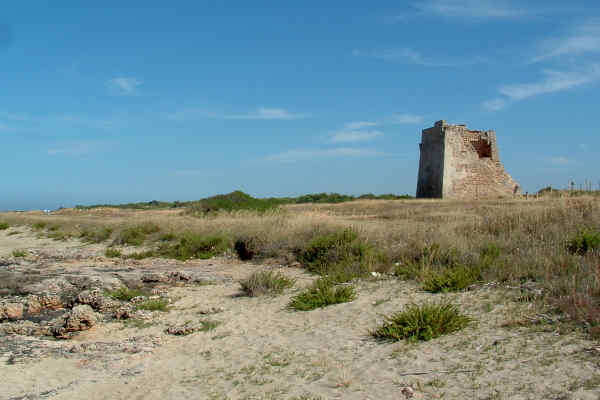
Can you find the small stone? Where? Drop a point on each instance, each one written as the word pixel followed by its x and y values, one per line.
pixel 408 392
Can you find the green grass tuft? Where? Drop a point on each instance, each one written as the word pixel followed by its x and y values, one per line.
pixel 583 242
pixel 266 282
pixel 3 226
pixel 341 256
pixel 125 293
pixel 422 322
pixel 96 236
pixel 136 235
pixel 112 253
pixel 322 294
pixel 19 253
pixel 154 305
pixel 193 245
pixel 39 225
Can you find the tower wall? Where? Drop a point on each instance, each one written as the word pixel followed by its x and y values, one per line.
pixel 431 162
pixel 470 164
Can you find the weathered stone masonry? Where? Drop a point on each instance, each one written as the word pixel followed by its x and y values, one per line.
pixel 460 163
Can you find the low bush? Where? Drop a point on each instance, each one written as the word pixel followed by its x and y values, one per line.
pixel 39 225
pixel 341 256
pixel 583 242
pixel 422 322
pixel 322 294
pixel 96 236
pixel 125 293
pixel 135 235
pixel 193 245
pixel 247 247
pixel 19 253
pixel 112 253
pixel 154 305
pixel 266 282
pixel 451 279
pixel 167 237
pixel 3 226
pixel 141 255
pixel 58 235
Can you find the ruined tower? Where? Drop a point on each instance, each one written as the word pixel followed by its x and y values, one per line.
pixel 459 163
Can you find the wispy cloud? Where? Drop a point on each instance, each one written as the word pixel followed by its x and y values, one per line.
pixel 582 39
pixel 77 148
pixel 406 119
pixel 354 136
pixel 476 9
pixel 494 104
pixel 562 161
pixel 124 86
pixel 261 113
pixel 358 125
pixel 411 56
pixel 312 154
pixel 554 81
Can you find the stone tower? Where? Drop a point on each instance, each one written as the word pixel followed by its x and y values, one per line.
pixel 459 163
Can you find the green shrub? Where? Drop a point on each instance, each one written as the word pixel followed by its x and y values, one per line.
pixel 247 247
pixel 135 235
pixel 112 253
pixel 125 293
pixel 583 242
pixel 322 294
pixel 266 282
pixel 96 236
pixel 208 325
pixel 141 255
pixel 341 256
pixel 39 225
pixel 193 245
pixel 58 235
pixel 3 226
pixel 233 201
pixel 13 233
pixel 407 271
pixel 167 237
pixel 451 279
pixel 154 305
pixel 423 322
pixel 19 253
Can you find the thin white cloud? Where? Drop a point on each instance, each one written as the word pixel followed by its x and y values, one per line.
pixel 76 148
pixel 583 39
pixel 554 81
pixel 411 56
pixel 124 86
pixel 261 113
pixel 561 160
pixel 476 9
pixel 358 125
pixel 494 104
pixel 406 119
pixel 354 136
pixel 312 154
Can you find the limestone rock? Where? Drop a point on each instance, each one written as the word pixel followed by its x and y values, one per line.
pixel 20 328
pixel 11 311
pixel 80 318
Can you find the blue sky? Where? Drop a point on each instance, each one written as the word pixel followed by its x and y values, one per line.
pixel 182 100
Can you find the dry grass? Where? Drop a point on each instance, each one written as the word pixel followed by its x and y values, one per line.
pixel 531 236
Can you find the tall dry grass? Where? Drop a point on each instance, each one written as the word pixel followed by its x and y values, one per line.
pixel 531 236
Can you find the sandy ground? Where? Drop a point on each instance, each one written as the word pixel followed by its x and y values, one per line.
pixel 262 350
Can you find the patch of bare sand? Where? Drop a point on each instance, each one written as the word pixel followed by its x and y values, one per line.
pixel 262 350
